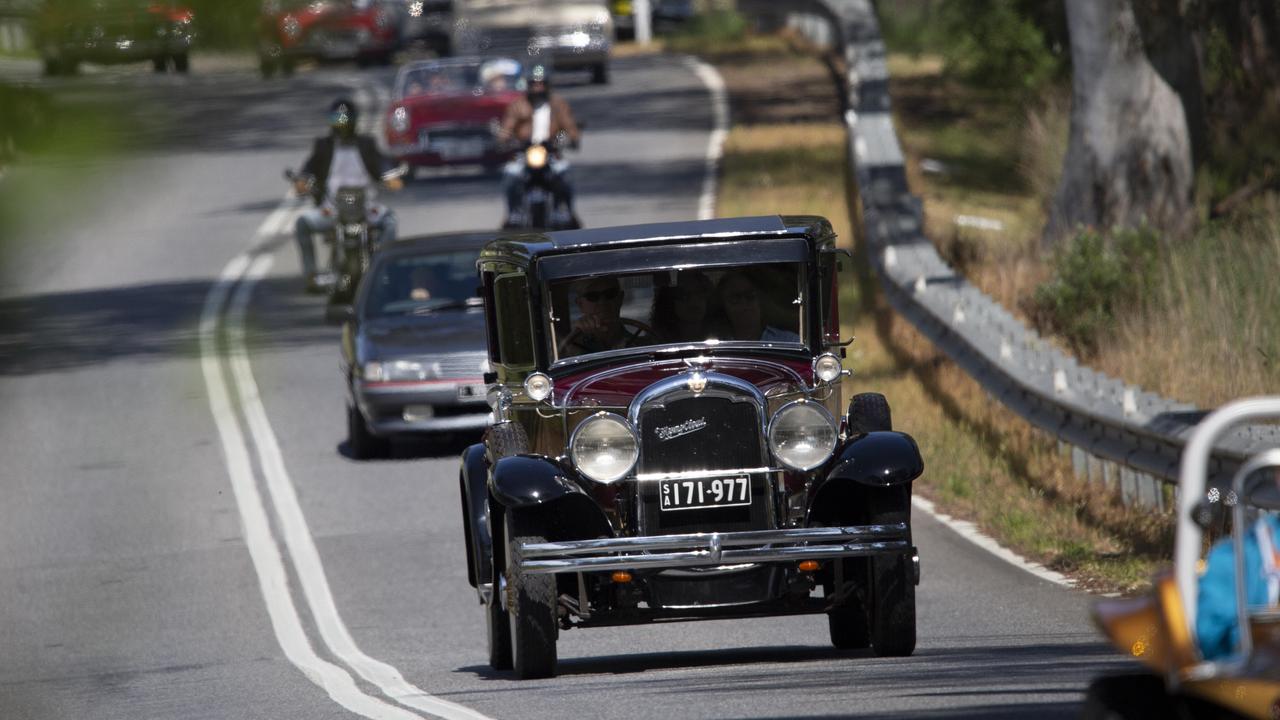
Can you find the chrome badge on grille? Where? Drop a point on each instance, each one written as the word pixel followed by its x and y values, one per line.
pixel 688 426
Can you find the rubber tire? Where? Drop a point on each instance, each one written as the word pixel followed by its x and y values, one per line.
pixel 182 63
pixel 506 439
pixel 160 64
pixel 52 67
pixel 848 626
pixel 266 66
pixel 287 66
pixel 1128 696
pixel 497 624
pixel 892 597
pixel 869 412
pixel 532 605
pixel 600 74
pixel 363 444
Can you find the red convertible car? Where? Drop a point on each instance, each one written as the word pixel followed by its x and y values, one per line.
pixel 447 112
pixel 367 31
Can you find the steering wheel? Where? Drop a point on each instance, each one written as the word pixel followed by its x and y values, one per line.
pixel 641 328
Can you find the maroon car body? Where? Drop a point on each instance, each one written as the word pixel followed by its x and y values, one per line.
pixel 447 112
pixel 367 31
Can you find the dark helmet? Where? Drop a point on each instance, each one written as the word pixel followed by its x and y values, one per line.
pixel 538 83
pixel 343 117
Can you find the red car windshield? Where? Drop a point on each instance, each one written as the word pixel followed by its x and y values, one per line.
pixel 486 77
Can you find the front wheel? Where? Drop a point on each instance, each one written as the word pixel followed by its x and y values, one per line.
pixel 847 624
pixel 497 624
pixel 181 63
pixel 160 63
pixel 1127 696
pixel 363 444
pixel 600 74
pixel 892 600
pixel 531 604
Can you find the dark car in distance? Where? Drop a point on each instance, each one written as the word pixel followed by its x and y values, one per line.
pixel 413 353
pixel 108 32
pixel 670 443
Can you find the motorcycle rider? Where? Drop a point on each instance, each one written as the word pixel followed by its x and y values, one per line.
pixel 343 158
pixel 540 116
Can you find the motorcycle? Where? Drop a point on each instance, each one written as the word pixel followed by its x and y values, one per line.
pixel 354 237
pixel 539 209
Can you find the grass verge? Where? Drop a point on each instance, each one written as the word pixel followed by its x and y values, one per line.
pixel 785 153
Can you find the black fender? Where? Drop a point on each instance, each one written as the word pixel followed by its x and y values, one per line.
pixel 876 463
pixel 543 488
pixel 472 482
pixel 526 481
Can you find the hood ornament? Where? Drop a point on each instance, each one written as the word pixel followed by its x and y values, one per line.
pixel 697 381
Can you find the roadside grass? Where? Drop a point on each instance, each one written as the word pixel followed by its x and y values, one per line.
pixel 982 462
pixel 1203 327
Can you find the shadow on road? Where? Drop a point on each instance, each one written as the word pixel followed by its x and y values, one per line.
pixel 421 447
pixel 143 323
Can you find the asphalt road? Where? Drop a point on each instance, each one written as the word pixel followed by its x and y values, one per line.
pixel 148 569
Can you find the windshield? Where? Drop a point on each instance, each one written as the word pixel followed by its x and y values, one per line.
pixel 419 284
pixel 748 303
pixel 480 78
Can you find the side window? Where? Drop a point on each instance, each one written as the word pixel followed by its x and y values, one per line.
pixel 490 315
pixel 829 295
pixel 514 326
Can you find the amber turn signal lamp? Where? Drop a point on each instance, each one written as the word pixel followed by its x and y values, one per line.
pixel 810 565
pixel 621 576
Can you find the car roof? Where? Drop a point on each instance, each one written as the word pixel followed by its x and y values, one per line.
pixel 526 247
pixel 440 242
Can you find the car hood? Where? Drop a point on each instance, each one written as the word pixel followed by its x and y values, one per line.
pixel 618 385
pixel 440 333
pixel 457 108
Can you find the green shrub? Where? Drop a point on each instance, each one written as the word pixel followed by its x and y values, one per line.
pixel 1096 277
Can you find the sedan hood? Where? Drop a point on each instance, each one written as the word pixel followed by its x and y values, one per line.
pixel 439 333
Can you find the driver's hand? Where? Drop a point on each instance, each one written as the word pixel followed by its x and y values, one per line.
pixel 300 187
pixel 393 184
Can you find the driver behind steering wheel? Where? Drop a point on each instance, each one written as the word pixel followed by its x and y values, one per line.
pixel 600 326
pixel 342 158
pixel 541 116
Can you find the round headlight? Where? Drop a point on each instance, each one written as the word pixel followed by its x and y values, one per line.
pixel 538 387
pixel 802 435
pixel 826 367
pixel 400 120
pixel 604 448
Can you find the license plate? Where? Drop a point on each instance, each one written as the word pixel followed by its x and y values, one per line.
pixel 451 149
pixel 704 493
pixel 338 49
pixel 471 392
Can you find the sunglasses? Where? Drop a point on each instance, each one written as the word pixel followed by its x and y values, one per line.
pixel 598 295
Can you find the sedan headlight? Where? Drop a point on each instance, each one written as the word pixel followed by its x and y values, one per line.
pixel 400 120
pixel 604 448
pixel 802 435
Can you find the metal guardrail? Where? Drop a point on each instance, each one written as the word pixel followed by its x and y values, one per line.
pixel 1121 435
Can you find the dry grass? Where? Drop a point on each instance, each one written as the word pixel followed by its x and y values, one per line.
pixel 974 449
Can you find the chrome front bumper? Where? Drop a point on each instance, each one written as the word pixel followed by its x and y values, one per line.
pixel 659 552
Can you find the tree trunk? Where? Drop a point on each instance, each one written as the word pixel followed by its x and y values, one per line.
pixel 1129 156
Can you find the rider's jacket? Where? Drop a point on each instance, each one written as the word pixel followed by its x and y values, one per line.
pixel 320 161
pixel 1217 630
pixel 517 123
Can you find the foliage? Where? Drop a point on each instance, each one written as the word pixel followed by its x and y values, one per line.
pixel 1096 277
pixel 1018 45
pixel 710 31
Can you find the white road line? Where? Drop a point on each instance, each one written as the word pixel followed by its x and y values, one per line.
pixel 298 539
pixel 970 532
pixel 263 551
pixel 720 129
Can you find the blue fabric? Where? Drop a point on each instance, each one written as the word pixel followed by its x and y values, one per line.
pixel 1216 628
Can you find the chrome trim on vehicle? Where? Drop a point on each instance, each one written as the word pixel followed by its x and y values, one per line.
pixel 698 474
pixel 714 549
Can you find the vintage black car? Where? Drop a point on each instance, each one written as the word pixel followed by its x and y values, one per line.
pixel 670 441
pixel 69 32
pixel 413 351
